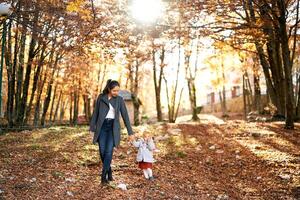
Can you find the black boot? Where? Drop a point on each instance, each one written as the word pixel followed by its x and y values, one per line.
pixel 110 178
pixel 104 180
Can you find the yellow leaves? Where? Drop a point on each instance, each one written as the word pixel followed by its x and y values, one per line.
pixel 79 7
pixel 260 22
pixel 74 6
pixel 217 82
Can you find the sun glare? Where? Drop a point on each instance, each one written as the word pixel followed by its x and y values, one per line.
pixel 146 11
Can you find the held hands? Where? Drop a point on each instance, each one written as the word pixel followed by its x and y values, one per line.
pixel 91 135
pixel 91 132
pixel 131 138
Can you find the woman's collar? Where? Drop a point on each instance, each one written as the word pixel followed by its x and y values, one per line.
pixel 104 97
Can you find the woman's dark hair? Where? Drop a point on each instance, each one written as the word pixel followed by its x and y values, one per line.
pixel 110 84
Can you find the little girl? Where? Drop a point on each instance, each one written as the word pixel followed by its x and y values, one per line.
pixel 145 154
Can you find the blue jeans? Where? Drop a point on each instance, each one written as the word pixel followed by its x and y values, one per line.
pixel 106 142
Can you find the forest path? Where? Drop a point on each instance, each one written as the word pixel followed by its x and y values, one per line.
pixel 212 159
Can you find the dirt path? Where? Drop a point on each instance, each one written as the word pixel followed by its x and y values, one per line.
pixel 210 160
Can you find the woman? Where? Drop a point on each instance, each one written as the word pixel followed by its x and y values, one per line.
pixel 105 125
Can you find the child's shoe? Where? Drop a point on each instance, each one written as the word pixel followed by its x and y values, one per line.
pixel 151 178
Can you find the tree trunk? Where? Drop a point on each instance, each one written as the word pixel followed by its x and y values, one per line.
pixel 63 107
pixel 244 98
pixel 75 109
pixel 224 106
pixel 57 107
pixel 298 98
pixel 49 91
pixel 87 107
pixel 257 106
pixel 157 84
pixel 273 64
pixel 173 109
pixel 289 92
pixel 192 96
pixel 53 102
pixel 71 108
pixel 26 84
pixel 136 102
pixel 37 75
pixel 20 73
pixel 10 75
pixel 38 99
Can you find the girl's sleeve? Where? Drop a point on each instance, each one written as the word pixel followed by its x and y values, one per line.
pixel 136 143
pixel 151 144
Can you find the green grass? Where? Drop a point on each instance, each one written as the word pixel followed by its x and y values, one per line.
pixel 57 174
pixel 35 146
pixel 181 154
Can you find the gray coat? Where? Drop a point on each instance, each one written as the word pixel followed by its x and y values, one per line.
pixel 145 150
pixel 100 111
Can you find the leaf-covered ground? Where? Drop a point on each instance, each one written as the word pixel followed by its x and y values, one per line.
pixel 207 160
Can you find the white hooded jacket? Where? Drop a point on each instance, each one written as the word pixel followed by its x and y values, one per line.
pixel 145 150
